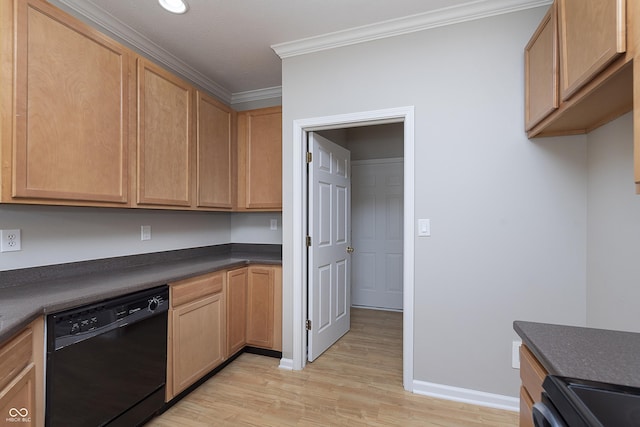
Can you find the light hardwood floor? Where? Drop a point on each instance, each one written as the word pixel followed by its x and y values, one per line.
pixel 357 382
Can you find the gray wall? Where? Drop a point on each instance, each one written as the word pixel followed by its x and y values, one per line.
pixel 54 234
pixel 376 142
pixel 370 142
pixel 255 227
pixel 613 229
pixel 508 215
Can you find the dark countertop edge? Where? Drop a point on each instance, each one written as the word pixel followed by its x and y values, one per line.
pixel 231 257
pixel 30 275
pixel 601 355
pixel 534 348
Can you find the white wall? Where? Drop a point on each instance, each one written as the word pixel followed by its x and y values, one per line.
pixel 508 215
pixel 55 234
pixel 613 229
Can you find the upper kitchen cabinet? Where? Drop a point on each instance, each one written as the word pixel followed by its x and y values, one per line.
pixel 592 35
pixel 594 48
pixel 65 109
pixel 165 148
pixel 259 185
pixel 214 153
pixel 541 71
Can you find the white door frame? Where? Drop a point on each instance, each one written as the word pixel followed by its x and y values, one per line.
pixel 300 129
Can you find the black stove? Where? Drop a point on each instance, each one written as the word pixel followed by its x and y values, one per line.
pixel 573 402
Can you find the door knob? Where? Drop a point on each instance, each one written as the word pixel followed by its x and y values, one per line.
pixel 350 249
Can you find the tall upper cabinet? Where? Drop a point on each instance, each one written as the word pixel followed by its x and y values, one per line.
pixel 165 148
pixel 579 71
pixel 65 133
pixel 214 148
pixel 260 159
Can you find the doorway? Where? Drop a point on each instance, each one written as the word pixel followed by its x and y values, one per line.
pixel 301 128
pixel 376 166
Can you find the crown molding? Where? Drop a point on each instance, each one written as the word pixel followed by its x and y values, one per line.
pixel 256 95
pixel 438 18
pixel 146 47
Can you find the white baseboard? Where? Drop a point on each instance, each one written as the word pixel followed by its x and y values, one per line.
pixel 464 395
pixel 286 364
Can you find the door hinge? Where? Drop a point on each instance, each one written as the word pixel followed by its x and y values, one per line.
pixel 307 324
pixel 309 157
pixel 308 241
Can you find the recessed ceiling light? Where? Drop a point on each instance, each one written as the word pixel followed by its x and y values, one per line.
pixel 174 6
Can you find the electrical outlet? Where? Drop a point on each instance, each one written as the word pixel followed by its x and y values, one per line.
pixel 145 232
pixel 274 224
pixel 515 354
pixel 10 240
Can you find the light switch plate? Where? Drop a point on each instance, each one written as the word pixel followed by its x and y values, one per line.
pixel 424 227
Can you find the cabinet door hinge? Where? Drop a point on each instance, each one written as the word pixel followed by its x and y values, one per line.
pixel 308 241
pixel 309 157
pixel 307 324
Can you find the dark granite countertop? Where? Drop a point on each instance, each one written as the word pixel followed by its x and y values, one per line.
pixel 28 293
pixel 585 353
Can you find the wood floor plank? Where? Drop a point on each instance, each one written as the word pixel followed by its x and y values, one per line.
pixel 357 382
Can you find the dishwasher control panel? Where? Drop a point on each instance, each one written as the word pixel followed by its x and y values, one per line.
pixel 114 311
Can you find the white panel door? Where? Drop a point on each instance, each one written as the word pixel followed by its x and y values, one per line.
pixel 330 230
pixel 378 189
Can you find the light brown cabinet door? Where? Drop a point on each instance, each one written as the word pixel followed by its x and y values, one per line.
pixel 236 310
pixel 18 400
pixel 260 299
pixel 22 377
pixel 260 159
pixel 197 340
pixel 532 373
pixel 71 107
pixel 164 137
pixel 264 307
pixel 592 35
pixel 214 156
pixel 541 71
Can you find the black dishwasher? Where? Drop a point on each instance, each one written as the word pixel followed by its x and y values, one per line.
pixel 106 362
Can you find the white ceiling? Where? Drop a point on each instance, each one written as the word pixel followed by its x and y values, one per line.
pixel 229 46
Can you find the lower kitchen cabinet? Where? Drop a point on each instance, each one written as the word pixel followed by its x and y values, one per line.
pixel 22 377
pixel 264 307
pixel 197 325
pixel 236 293
pixel 214 316
pixel 532 374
